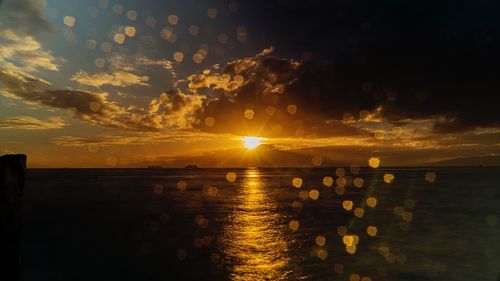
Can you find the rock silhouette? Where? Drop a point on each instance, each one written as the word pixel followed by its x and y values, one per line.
pixel 12 177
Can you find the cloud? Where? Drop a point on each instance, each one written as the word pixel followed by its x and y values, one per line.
pixel 91 107
pixel 21 27
pixel 21 53
pixel 146 61
pixel 119 61
pixel 260 86
pixel 25 17
pixel 94 108
pixel 283 97
pixel 174 110
pixel 32 123
pixel 409 58
pixel 316 99
pixel 135 138
pixel 22 58
pixel 125 71
pixel 25 51
pixel 117 79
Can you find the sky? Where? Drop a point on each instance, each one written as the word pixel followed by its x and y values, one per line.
pixel 135 83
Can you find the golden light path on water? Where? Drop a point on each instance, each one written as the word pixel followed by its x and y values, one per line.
pixel 254 242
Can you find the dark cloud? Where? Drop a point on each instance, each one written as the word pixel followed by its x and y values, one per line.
pixel 419 59
pixel 328 100
pixel 270 89
pixel 25 17
pixel 90 107
pixel 456 105
pixel 173 110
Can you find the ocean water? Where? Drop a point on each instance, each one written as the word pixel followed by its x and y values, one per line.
pixel 254 224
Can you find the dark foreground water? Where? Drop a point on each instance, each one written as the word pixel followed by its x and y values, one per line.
pixel 198 225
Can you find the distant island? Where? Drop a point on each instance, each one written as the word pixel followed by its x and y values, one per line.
pixel 157 167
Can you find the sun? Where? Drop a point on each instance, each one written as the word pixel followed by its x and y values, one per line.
pixel 251 142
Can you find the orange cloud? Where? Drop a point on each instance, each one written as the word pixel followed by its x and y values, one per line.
pixel 32 123
pixel 117 79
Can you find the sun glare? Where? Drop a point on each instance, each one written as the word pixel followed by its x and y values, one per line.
pixel 251 142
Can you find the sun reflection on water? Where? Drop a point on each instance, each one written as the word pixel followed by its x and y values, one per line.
pixel 254 241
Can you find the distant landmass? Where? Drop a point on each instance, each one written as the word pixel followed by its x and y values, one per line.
pixel 266 155
pixel 468 161
pixel 262 156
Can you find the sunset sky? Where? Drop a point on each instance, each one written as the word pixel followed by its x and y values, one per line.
pixel 134 83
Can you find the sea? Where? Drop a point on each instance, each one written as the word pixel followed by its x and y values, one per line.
pixel 337 223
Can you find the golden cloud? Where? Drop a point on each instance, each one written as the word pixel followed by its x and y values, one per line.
pixel 117 79
pixel 32 123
